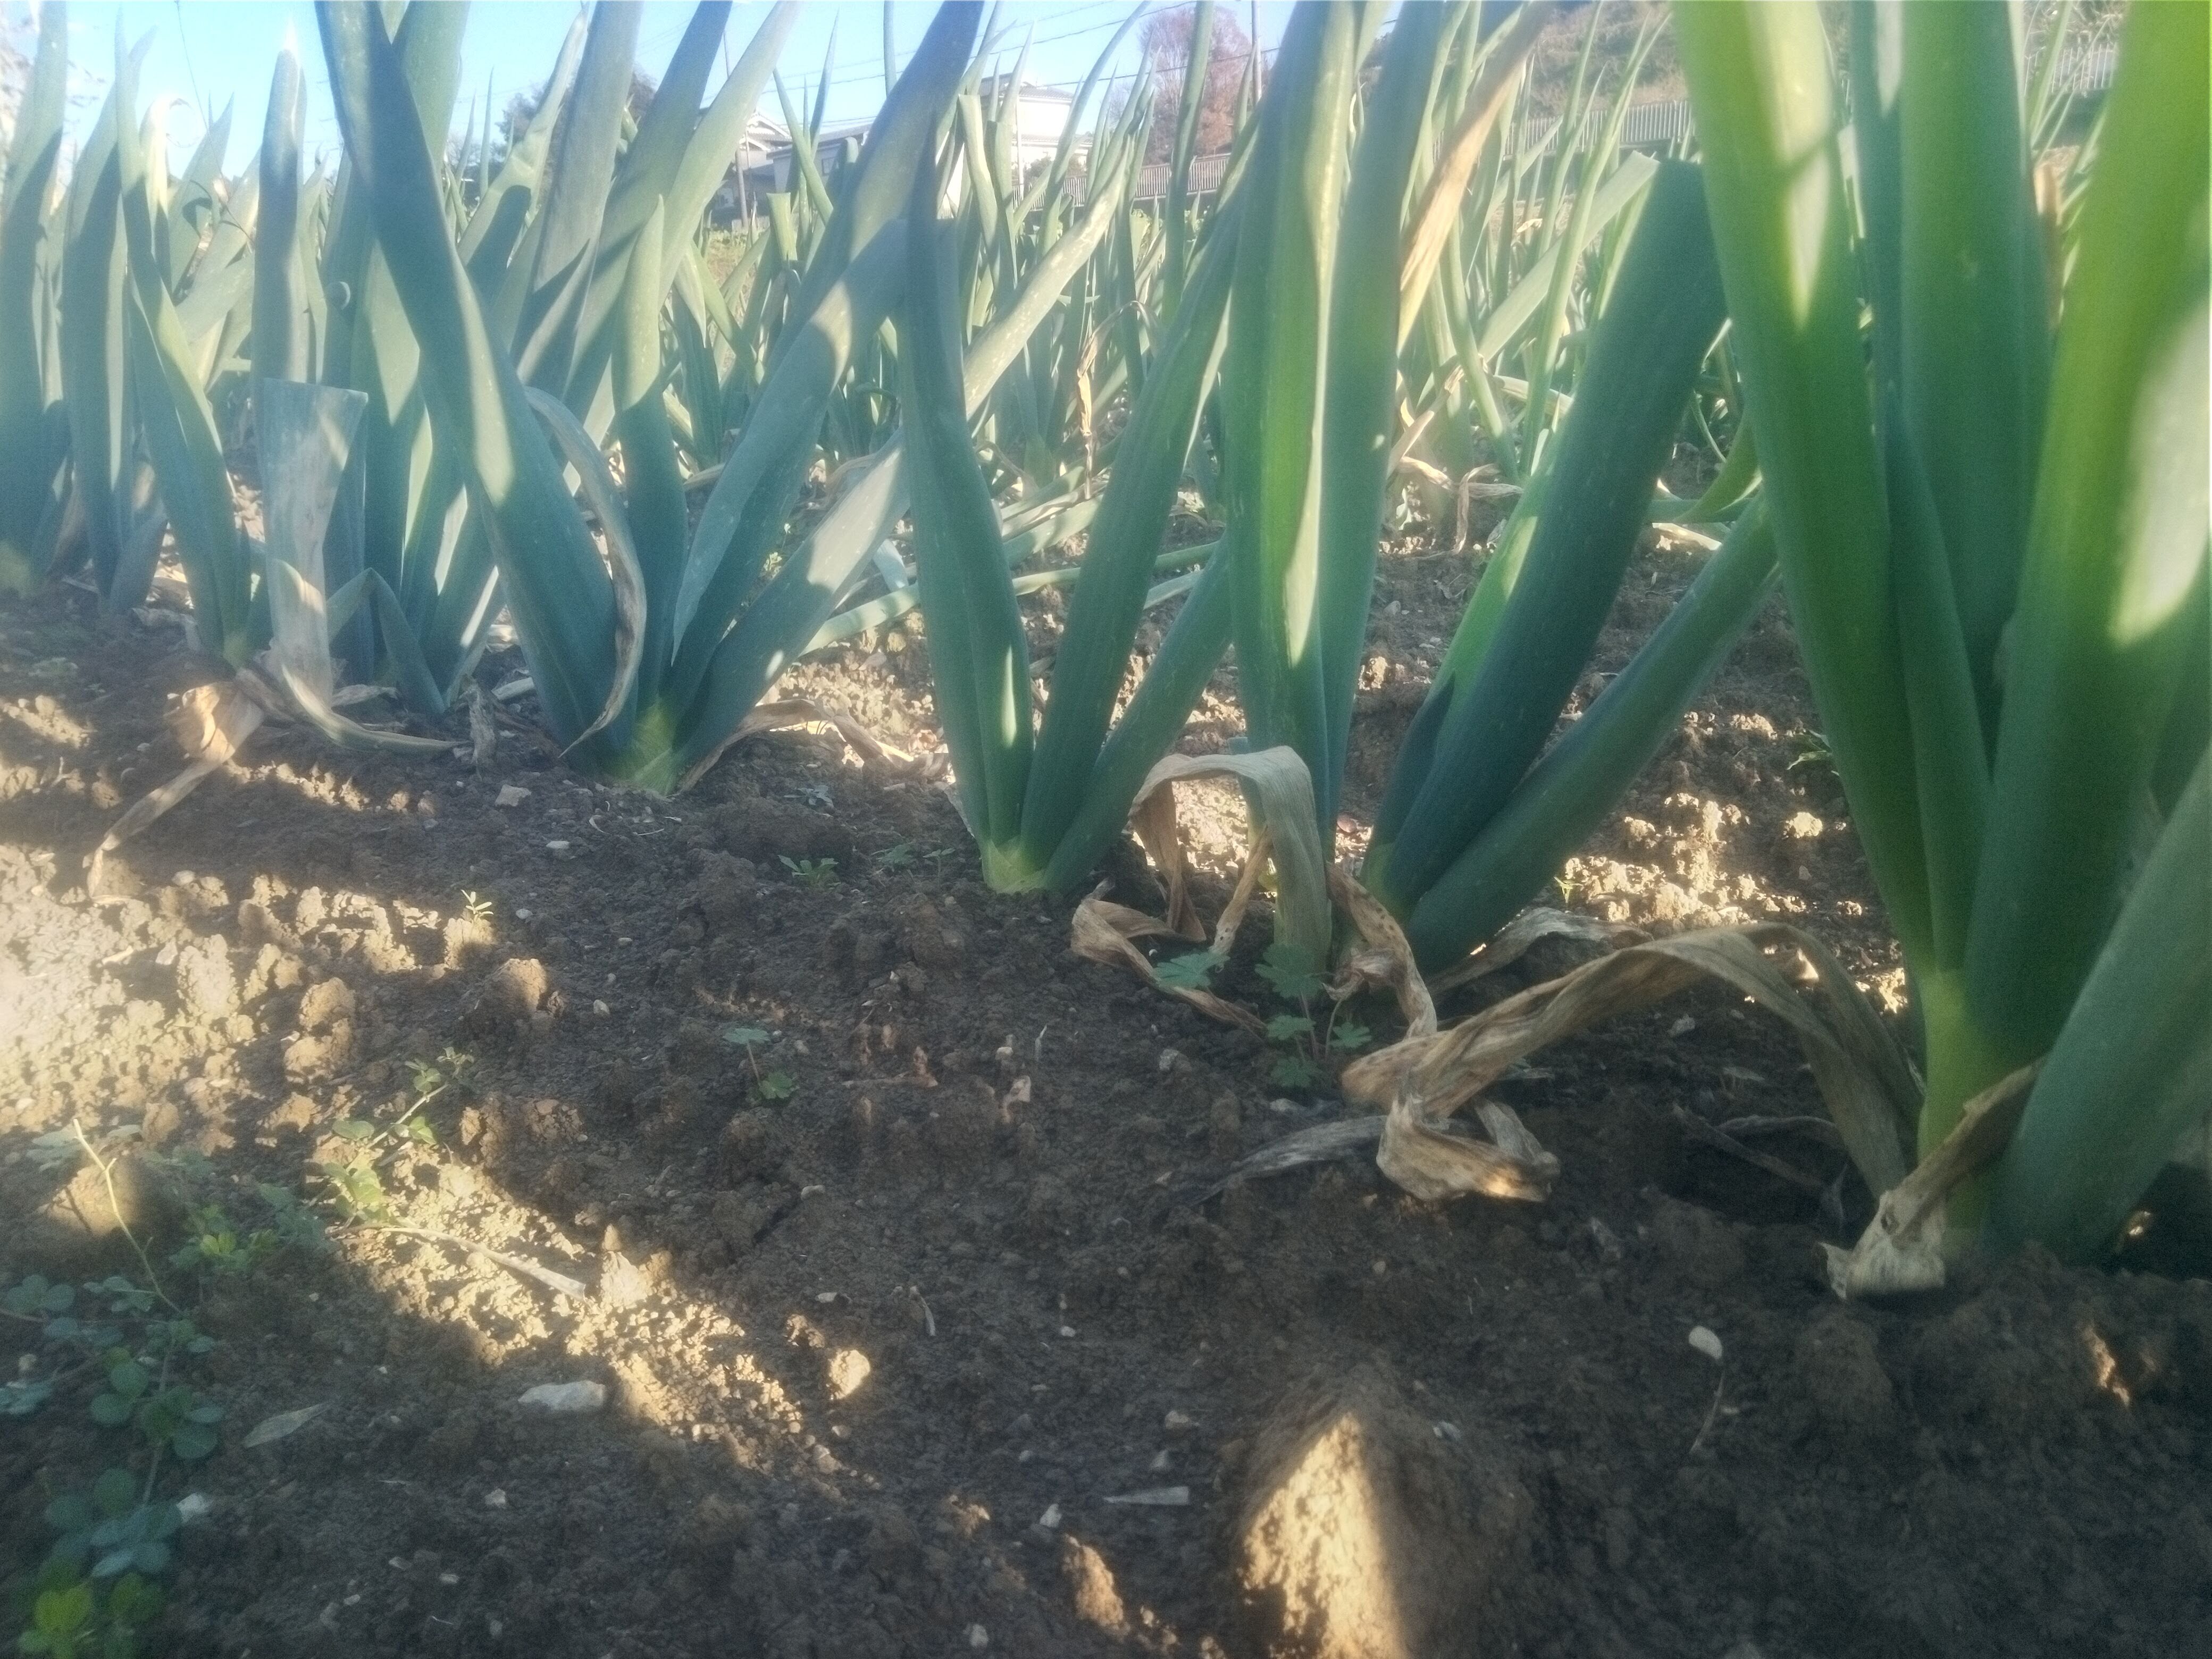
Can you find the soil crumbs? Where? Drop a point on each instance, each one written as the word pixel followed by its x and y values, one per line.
pixel 880 1215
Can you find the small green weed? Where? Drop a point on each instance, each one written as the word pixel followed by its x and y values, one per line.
pixel 768 1085
pixel 1293 983
pixel 123 1350
pixel 1810 751
pixel 353 1184
pixel 72 1617
pixel 816 875
pixel 1305 1048
pixel 1190 972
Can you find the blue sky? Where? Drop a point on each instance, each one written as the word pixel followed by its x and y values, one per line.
pixel 210 52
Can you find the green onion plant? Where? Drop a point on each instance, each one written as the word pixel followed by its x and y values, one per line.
pixel 1992 532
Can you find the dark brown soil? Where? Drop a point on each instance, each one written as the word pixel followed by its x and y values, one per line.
pixel 880 1349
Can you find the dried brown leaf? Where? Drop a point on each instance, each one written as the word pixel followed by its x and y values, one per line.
pixel 1902 1249
pixel 1100 932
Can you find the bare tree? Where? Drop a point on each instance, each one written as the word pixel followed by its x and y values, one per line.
pixel 18 37
pixel 1166 38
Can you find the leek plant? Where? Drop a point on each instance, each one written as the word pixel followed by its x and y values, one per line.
pixel 31 439
pixel 178 424
pixel 545 244
pixel 153 273
pixel 1994 546
pixel 647 661
pixel 1310 369
pixel 1494 281
pixel 1306 241
pixel 1467 831
pixel 1044 805
pixel 109 523
pixel 1470 826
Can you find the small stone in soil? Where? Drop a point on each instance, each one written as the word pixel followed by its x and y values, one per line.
pixel 567 1399
pixel 848 1369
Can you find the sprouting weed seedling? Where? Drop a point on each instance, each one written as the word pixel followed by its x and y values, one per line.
pixel 356 1190
pixel 105 1327
pixel 293 1222
pixel 450 1072
pixel 214 1245
pixel 219 1246
pixel 51 1151
pixel 1347 1036
pixel 1295 1068
pixel 1305 1047
pixel 173 1417
pixel 1811 750
pixel 477 906
pixel 1293 979
pixel 1568 887
pixel 816 875
pixel 748 1037
pixel 770 1085
pixel 354 1182
pixel 899 856
pixel 111 1530
pixel 1189 972
pixel 351 1183
pixel 70 1616
pixel 123 1348
pixel 94 1595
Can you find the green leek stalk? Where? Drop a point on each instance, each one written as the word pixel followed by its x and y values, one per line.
pixel 28 456
pixel 1275 380
pixel 178 426
pixel 1487 718
pixel 280 333
pixel 564 607
pixel 1995 568
pixel 1190 106
pixel 979 655
pixel 1568 793
pixel 95 374
pixel 1308 380
pixel 1069 787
